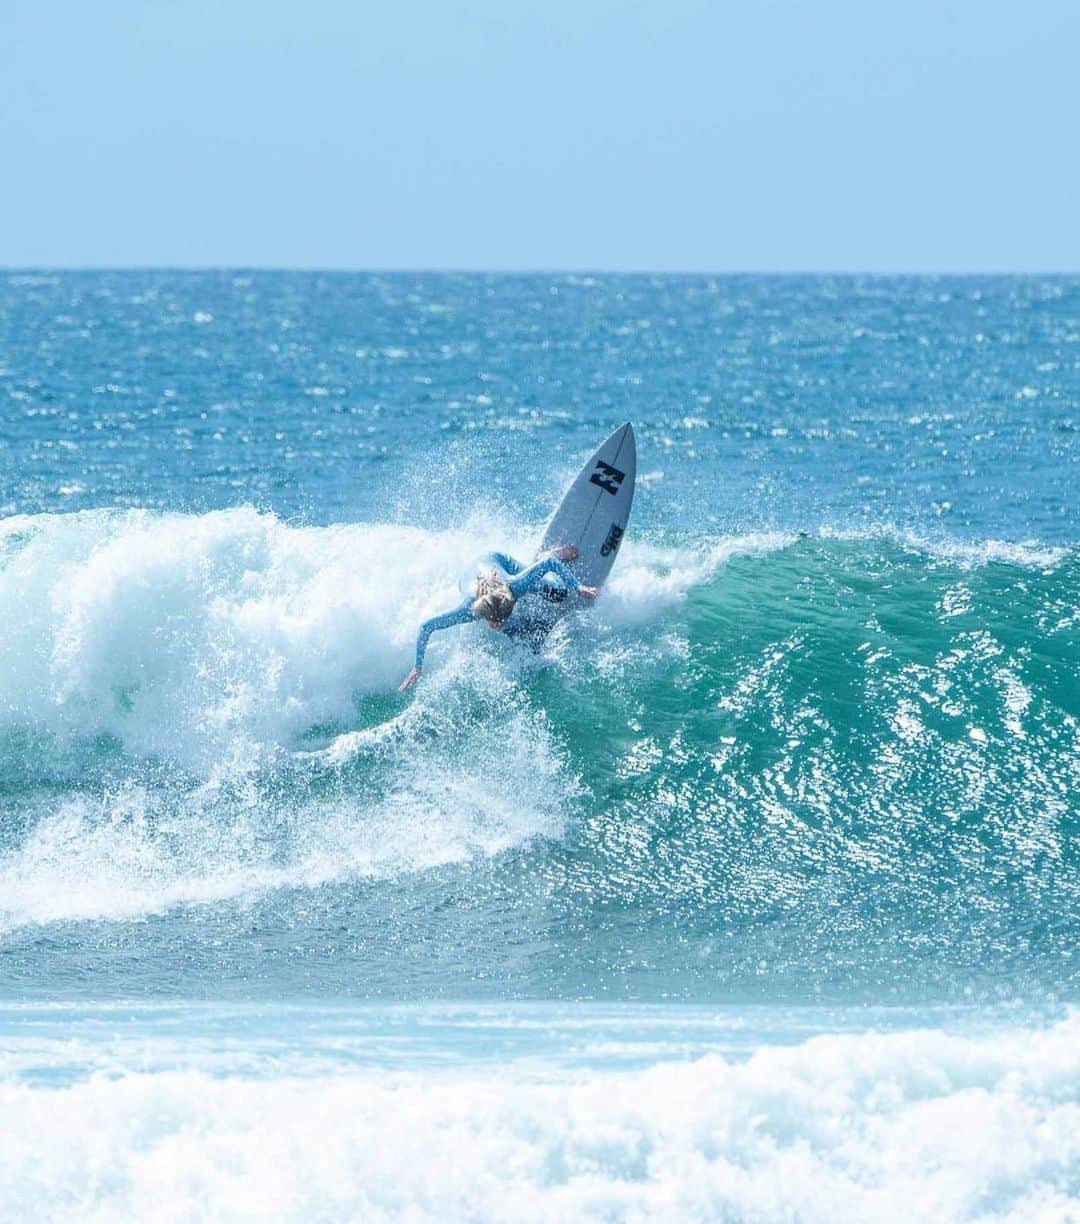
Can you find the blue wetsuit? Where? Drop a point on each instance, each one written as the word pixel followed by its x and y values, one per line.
pixel 548 574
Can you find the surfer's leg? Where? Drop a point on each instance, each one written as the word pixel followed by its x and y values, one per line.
pixel 553 589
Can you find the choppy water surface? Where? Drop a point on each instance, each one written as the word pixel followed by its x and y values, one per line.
pixel 808 774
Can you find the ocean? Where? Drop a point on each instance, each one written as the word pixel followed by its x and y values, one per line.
pixel 752 897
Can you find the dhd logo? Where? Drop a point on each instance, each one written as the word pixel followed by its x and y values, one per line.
pixel 611 544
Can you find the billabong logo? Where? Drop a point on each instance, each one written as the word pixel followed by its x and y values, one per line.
pixel 611 544
pixel 607 477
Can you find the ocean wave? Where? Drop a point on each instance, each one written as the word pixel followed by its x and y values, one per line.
pixel 201 708
pixel 923 1124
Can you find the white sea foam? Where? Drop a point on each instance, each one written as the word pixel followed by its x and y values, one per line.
pixel 187 637
pixel 917 1125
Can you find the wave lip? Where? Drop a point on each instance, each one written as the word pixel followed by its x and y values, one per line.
pixel 966 554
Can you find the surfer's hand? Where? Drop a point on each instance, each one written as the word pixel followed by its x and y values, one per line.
pixel 567 553
pixel 587 592
pixel 409 680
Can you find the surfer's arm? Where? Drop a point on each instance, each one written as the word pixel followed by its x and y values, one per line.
pixel 459 616
pixel 510 564
pixel 531 578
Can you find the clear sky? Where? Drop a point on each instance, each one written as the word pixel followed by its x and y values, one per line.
pixel 909 135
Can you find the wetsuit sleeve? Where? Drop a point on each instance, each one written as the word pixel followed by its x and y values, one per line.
pixel 508 563
pixel 531 578
pixel 459 616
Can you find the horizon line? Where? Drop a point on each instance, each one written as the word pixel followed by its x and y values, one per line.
pixel 453 270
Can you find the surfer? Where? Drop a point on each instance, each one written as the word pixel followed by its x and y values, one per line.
pixel 491 589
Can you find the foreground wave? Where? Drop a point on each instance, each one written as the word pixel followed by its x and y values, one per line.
pixel 979 1121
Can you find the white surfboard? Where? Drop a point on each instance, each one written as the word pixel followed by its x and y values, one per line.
pixel 592 517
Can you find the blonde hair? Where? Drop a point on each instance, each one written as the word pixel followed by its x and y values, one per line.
pixel 493 598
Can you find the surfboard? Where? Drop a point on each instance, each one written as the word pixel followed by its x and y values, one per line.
pixel 592 517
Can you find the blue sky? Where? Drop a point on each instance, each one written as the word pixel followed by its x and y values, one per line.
pixel 763 135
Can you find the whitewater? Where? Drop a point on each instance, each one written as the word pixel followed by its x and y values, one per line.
pixel 753 896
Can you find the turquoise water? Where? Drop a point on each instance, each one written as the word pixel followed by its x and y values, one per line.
pixel 760 882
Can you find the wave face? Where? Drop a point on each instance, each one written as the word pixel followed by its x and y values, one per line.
pixel 767 765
